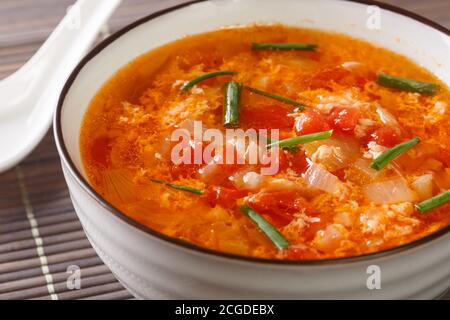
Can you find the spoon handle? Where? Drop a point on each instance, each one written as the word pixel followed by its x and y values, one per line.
pixel 52 64
pixel 74 35
pixel 29 96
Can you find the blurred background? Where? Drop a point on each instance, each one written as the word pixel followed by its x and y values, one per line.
pixel 30 269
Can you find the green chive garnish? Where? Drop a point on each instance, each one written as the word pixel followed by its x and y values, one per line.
pixel 270 231
pixel 284 46
pixel 407 85
pixel 434 202
pixel 178 187
pixel 298 105
pixel 205 76
pixel 291 142
pixel 231 104
pixel 293 149
pixel 389 155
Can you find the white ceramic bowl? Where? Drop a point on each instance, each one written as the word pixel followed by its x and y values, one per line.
pixel 152 265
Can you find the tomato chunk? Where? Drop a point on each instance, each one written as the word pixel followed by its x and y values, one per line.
pixel 100 149
pixel 343 119
pixel 387 136
pixel 297 162
pixel 266 117
pixel 338 74
pixel 188 169
pixel 280 163
pixel 444 156
pixel 222 196
pixel 183 171
pixel 310 121
pixel 281 204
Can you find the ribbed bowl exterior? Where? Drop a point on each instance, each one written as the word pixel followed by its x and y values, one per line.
pixel 152 268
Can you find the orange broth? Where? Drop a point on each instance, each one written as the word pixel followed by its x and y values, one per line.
pixel 125 131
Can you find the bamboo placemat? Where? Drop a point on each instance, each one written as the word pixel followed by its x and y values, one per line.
pixel 40 235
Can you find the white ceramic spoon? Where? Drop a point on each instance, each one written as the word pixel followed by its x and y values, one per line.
pixel 29 96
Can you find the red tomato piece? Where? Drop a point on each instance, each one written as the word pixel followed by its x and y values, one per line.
pixel 297 162
pixel 281 160
pixel 189 169
pixel 100 150
pixel 310 121
pixel 266 117
pixel 222 196
pixel 325 76
pixel 444 156
pixel 183 171
pixel 343 119
pixel 282 204
pixel 340 174
pixel 387 136
pixel 342 76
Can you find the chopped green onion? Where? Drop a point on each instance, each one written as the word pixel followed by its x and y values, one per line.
pixel 284 46
pixel 271 141
pixel 407 85
pixel 270 231
pixel 205 76
pixel 434 202
pixel 296 104
pixel 231 104
pixel 291 142
pixel 178 187
pixel 389 155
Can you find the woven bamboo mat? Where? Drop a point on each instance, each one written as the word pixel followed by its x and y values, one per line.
pixel 40 235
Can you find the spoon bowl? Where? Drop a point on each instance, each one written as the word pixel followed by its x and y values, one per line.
pixel 30 95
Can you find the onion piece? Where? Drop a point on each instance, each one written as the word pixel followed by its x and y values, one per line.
pixel 363 166
pixel 247 180
pixel 119 185
pixel 389 191
pixel 318 177
pixel 330 238
pixel 423 186
pixel 386 117
pixel 280 184
pixel 216 172
pixel 351 65
pixel 334 153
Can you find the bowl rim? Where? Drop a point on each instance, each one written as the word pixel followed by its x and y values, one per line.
pixel 187 246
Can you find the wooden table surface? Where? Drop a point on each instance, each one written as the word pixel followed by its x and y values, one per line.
pixel 34 261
